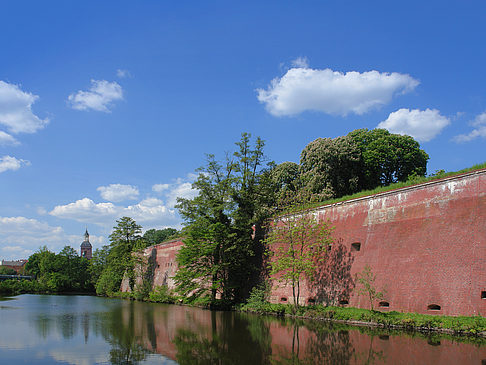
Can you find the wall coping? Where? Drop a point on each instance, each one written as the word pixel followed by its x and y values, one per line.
pixel 395 191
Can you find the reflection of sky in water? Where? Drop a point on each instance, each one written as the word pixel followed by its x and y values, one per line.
pixel 42 329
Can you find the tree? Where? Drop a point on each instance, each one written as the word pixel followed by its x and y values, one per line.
pixel 363 159
pixel 367 281
pixel 125 238
pixel 218 252
pixel 387 158
pixel 156 236
pixel 7 271
pixel 330 167
pixel 297 243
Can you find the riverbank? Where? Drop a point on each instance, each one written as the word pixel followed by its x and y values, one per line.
pixel 456 326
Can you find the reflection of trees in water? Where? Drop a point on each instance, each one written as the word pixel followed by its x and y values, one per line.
pixel 119 331
pixel 232 339
pixel 325 345
pixel 370 356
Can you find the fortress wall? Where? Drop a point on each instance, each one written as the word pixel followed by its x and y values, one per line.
pixel 426 245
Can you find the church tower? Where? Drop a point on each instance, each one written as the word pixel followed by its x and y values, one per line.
pixel 86 248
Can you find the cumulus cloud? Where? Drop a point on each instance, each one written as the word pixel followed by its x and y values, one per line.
pixel 331 92
pixel 100 96
pixel 300 62
pixel 21 237
pixel 478 132
pixel 16 110
pixel 158 188
pixel 7 139
pixel 423 125
pixel 118 192
pixel 180 189
pixel 86 210
pixel 11 163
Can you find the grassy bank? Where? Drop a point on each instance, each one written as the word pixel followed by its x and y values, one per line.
pixel 470 326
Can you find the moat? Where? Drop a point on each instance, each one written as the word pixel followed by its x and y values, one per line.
pixel 45 329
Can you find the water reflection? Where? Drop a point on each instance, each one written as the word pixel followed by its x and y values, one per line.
pixel 90 330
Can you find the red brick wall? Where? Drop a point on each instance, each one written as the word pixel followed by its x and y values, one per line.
pixel 426 245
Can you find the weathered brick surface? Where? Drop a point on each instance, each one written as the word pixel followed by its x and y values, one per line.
pixel 426 244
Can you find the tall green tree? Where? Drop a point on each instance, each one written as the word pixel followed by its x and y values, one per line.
pixel 124 239
pixel 218 255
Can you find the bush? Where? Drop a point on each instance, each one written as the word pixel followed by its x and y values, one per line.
pixel 161 294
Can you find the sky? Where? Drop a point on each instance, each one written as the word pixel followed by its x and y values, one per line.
pixel 107 108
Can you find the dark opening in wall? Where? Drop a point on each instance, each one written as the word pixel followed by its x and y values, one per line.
pixel 483 294
pixel 384 304
pixel 433 307
pixel 344 302
pixel 311 301
pixel 384 337
pixel 356 246
pixel 283 299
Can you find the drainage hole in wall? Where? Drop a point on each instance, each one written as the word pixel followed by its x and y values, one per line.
pixel 384 304
pixel 311 301
pixel 433 307
pixel 483 295
pixel 356 246
pixel 343 302
pixel 283 299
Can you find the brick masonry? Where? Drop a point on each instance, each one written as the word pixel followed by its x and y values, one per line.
pixel 426 245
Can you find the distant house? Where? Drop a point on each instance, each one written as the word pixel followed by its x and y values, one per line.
pixel 17 265
pixel 86 248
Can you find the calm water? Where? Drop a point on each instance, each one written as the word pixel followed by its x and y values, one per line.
pixel 42 329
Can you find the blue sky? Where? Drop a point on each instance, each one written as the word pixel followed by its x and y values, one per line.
pixel 107 108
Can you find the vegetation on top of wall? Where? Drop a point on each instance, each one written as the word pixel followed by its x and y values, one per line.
pixel 412 181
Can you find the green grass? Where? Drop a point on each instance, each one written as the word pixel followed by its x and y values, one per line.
pixel 473 326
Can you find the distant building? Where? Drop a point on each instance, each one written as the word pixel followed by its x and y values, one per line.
pixel 17 265
pixel 86 248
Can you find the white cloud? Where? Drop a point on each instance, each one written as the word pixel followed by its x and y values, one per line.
pixel 181 190
pixel 300 62
pixel 158 188
pixel 331 92
pixel 11 163
pixel 423 125
pixel 21 237
pixel 7 139
pixel 16 110
pixel 118 192
pixel 122 73
pixel 99 97
pixel 479 132
pixel 104 214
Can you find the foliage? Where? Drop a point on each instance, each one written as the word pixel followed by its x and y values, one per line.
pixel 364 159
pixel 125 239
pixel 161 294
pixel 367 280
pixel 218 251
pixel 63 272
pixel 387 157
pixel 331 167
pixel 156 236
pixel 16 287
pixel 297 244
pixel 4 270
